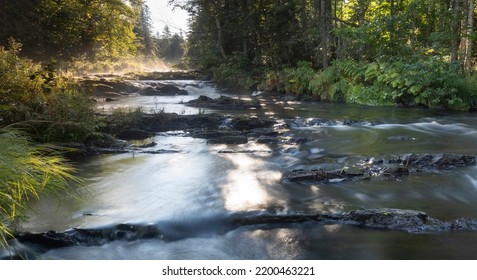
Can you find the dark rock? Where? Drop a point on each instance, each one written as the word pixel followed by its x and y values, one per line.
pixel 300 122
pixel 320 175
pixel 422 162
pixel 406 165
pixel 267 140
pixel 267 131
pixel 230 140
pixel 148 145
pixel 249 123
pixel 168 122
pixel 464 224
pixel 109 99
pixel 411 221
pixel 222 102
pixel 397 219
pixel 90 237
pixel 109 88
pixel 133 134
pixel 206 134
pixel 163 90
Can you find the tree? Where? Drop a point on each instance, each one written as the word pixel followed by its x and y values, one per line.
pixel 70 28
pixel 143 30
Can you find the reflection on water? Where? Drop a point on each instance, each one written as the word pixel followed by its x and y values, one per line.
pixel 247 183
pixel 199 181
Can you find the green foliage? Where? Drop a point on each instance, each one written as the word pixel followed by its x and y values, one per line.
pixel 39 97
pixel 298 79
pixel 27 170
pixel 67 29
pixel 430 82
pixel 235 73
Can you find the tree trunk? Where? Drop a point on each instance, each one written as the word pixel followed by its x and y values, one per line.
pixel 325 20
pixel 219 37
pixel 469 43
pixel 463 30
pixel 455 31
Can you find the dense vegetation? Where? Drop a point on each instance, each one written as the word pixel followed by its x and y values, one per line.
pixel 106 34
pixel 378 52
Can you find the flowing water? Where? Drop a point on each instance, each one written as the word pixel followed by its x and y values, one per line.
pixel 189 194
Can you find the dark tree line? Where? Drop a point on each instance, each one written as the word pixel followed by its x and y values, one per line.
pixel 278 33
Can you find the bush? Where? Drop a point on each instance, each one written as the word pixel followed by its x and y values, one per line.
pixel 38 95
pixel 299 78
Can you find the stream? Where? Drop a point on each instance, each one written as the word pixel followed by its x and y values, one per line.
pixel 190 193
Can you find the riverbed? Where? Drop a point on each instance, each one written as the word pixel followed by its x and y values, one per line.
pixel 190 193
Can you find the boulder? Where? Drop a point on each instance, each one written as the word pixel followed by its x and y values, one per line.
pixel 163 90
pixel 249 123
pixel 223 102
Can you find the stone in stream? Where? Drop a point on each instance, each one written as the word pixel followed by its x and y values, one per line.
pixel 163 90
pixel 422 162
pixel 251 123
pixel 411 221
pixel 223 102
pixel 229 140
pixel 397 166
pixel 395 219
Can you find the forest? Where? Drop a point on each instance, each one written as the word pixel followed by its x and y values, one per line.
pixel 406 53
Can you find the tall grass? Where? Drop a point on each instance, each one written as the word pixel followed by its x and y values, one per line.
pixel 26 171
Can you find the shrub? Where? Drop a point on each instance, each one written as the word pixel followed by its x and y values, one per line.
pixel 298 79
pixel 38 95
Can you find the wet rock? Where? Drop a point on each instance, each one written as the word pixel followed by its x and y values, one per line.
pixel 148 145
pixel 223 102
pixel 251 123
pixel 163 90
pixel 465 224
pixel 312 122
pixel 163 122
pixel 396 219
pixel 423 162
pixel 213 134
pixel 319 175
pixel 411 221
pixel 90 237
pixel 267 131
pixel 396 167
pixel 268 140
pixel 109 87
pixel 133 134
pixel 229 140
